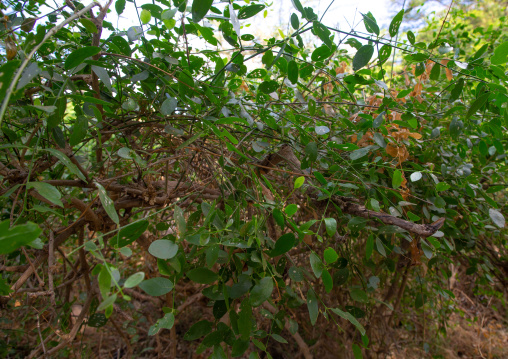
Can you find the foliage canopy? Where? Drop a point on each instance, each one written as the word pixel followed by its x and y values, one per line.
pixel 284 185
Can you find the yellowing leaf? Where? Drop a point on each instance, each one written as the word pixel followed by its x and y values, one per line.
pixel 10 48
pixel 415 135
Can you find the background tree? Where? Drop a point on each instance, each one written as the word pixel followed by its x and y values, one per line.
pixel 259 198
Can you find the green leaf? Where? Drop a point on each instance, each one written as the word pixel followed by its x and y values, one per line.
pixel 261 291
pixel 413 217
pixel 384 53
pixel 89 25
pixel 17 236
pixel 257 74
pixel 291 209
pixel 279 218
pixel 293 71
pixel 180 220
pixel 295 23
pixel 279 338
pixel 283 245
pixel 268 86
pixel 500 54
pixel 134 280
pixel 51 193
pixel 311 150
pixel 119 6
pixel 323 33
pixel 250 11
pixel 323 52
pixel 379 139
pixel 185 83
pixel 393 29
pixel 163 249
pixel 330 255
pixel 200 8
pixel 362 57
pixel 497 217
pixel 357 224
pixel 442 186
pixel 419 301
pixel 348 316
pixel 357 351
pixel 122 44
pixel 212 254
pixel 456 127
pixel 479 102
pixel 80 55
pixel 239 347
pixel 312 106
pixel 104 280
pixel 435 72
pixel 298 5
pixel 198 330
pixel 7 71
pixel 327 281
pixel 108 204
pixel 359 295
pixel 370 23
pixel 312 306
pixel 156 286
pixel 411 37
pixel 202 275
pixel 316 264
pixel 369 247
pixel 331 226
pixel 379 120
pixel 295 274
pixel 299 182
pixel 244 319
pixel 397 179
pixel 79 131
pixel 359 153
pixel 380 247
pixel 109 301
pixel 130 233
pixel 165 322
pixel 97 320
pixel 145 16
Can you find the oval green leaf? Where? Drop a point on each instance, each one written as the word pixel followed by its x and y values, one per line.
pixel 163 249
pixel 362 57
pixel 202 275
pixel 156 286
pixel 200 8
pixel 134 280
pixel 261 291
pixel 80 55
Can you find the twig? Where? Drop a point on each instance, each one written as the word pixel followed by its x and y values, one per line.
pixel 51 261
pixel 444 20
pixel 41 282
pixel 40 335
pixel 122 334
pixel 69 337
pixel 62 237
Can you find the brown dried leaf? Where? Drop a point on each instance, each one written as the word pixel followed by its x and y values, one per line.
pixel 10 48
pixel 28 24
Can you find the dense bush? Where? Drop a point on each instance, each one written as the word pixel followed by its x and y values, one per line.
pixel 268 196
